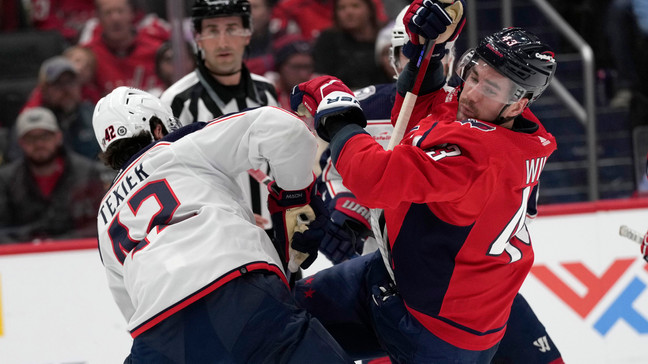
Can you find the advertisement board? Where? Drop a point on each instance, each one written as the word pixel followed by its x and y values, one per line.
pixel 588 286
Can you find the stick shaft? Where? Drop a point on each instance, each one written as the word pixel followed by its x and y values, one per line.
pixel 409 101
pixel 403 119
pixel 455 11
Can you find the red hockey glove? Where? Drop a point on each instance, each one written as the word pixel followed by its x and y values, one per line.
pixel 644 247
pixel 281 200
pixel 323 97
pixel 431 19
pixel 291 214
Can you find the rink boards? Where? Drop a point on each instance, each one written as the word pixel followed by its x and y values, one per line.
pixel 588 286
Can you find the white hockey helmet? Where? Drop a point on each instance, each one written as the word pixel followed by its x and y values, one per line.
pixel 399 38
pixel 127 111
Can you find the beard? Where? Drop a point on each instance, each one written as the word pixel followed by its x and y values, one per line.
pixel 41 158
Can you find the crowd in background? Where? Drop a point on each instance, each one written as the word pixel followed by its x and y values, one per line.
pixel 51 179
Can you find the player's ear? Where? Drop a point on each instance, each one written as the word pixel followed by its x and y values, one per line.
pixel 158 131
pixel 516 108
pixel 198 40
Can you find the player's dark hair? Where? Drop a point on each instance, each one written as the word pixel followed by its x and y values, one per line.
pixel 122 150
pixel 155 121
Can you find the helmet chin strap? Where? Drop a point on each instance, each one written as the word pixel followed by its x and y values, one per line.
pixel 499 119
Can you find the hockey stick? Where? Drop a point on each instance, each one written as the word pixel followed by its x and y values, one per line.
pixel 631 234
pixel 455 11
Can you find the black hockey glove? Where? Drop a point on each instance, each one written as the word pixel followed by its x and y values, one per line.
pixel 440 21
pixel 347 229
pixel 436 20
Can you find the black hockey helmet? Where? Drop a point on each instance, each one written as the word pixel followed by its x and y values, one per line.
pixel 517 54
pixel 203 9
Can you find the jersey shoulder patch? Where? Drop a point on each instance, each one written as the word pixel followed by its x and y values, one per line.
pixel 477 124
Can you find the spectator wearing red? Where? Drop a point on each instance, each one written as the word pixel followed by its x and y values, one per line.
pixel 66 16
pixel 149 23
pixel 125 54
pixel 310 17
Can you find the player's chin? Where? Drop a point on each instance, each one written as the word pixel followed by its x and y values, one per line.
pixel 463 114
pixel 467 111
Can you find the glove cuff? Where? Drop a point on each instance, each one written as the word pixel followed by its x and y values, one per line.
pixel 280 200
pixel 331 125
pixel 434 78
pixel 349 206
pixel 337 102
pixel 412 51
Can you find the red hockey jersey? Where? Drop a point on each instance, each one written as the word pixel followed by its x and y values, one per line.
pixel 134 69
pixel 454 194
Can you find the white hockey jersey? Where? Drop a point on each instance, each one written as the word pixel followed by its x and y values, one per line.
pixel 198 97
pixel 175 226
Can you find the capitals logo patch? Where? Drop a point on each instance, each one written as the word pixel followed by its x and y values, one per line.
pixel 477 124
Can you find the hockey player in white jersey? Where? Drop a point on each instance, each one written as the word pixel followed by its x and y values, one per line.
pixel 195 278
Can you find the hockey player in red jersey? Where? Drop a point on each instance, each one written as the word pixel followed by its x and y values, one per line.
pixel 194 277
pixel 345 230
pixel 454 195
